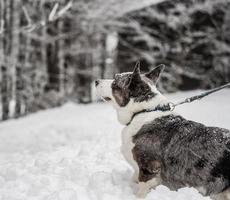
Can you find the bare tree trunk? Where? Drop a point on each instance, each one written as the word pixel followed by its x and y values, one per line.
pixel 52 59
pixel 4 93
pixel 6 43
pixel 103 55
pixel 110 49
pixel 20 57
pixel 14 53
pixel 61 60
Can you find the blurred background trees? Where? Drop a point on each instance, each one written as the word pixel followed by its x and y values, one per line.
pixel 52 50
pixel 190 37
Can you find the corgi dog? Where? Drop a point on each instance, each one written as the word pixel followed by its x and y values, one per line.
pixel 162 146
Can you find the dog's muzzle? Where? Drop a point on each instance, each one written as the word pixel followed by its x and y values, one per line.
pixel 104 89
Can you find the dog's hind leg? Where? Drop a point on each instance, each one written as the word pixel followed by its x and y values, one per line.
pixel 225 195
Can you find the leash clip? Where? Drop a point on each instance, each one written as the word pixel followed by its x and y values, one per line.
pixel 171 106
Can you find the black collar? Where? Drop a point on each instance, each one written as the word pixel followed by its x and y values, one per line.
pixel 162 108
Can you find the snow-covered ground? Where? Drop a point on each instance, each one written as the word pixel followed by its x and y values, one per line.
pixel 73 153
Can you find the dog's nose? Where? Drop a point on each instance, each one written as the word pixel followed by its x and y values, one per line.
pixel 97 82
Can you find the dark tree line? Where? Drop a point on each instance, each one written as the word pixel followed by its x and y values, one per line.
pixel 191 37
pixel 50 51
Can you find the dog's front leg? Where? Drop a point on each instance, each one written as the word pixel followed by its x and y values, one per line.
pixel 145 187
pixel 149 178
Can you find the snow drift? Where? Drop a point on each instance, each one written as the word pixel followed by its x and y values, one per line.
pixel 73 153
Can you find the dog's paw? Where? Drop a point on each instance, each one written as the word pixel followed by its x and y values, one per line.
pixel 141 194
pixel 142 190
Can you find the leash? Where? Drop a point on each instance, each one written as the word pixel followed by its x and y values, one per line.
pixel 171 106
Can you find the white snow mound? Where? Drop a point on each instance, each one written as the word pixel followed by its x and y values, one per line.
pixel 73 153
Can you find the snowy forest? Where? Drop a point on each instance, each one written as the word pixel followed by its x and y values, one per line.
pixel 51 51
pixel 60 141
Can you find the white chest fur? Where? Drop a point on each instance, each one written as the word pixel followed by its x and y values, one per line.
pixel 127 146
pixel 129 131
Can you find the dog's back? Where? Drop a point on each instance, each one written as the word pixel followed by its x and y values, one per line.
pixel 186 153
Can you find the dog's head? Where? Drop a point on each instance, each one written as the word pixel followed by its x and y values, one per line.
pixel 131 91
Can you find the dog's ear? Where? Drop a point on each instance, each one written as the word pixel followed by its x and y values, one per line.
pixel 154 74
pixel 121 97
pixel 136 76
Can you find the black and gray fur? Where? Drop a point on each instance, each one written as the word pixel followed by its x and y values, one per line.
pixel 184 153
pixel 135 86
pixel 178 151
